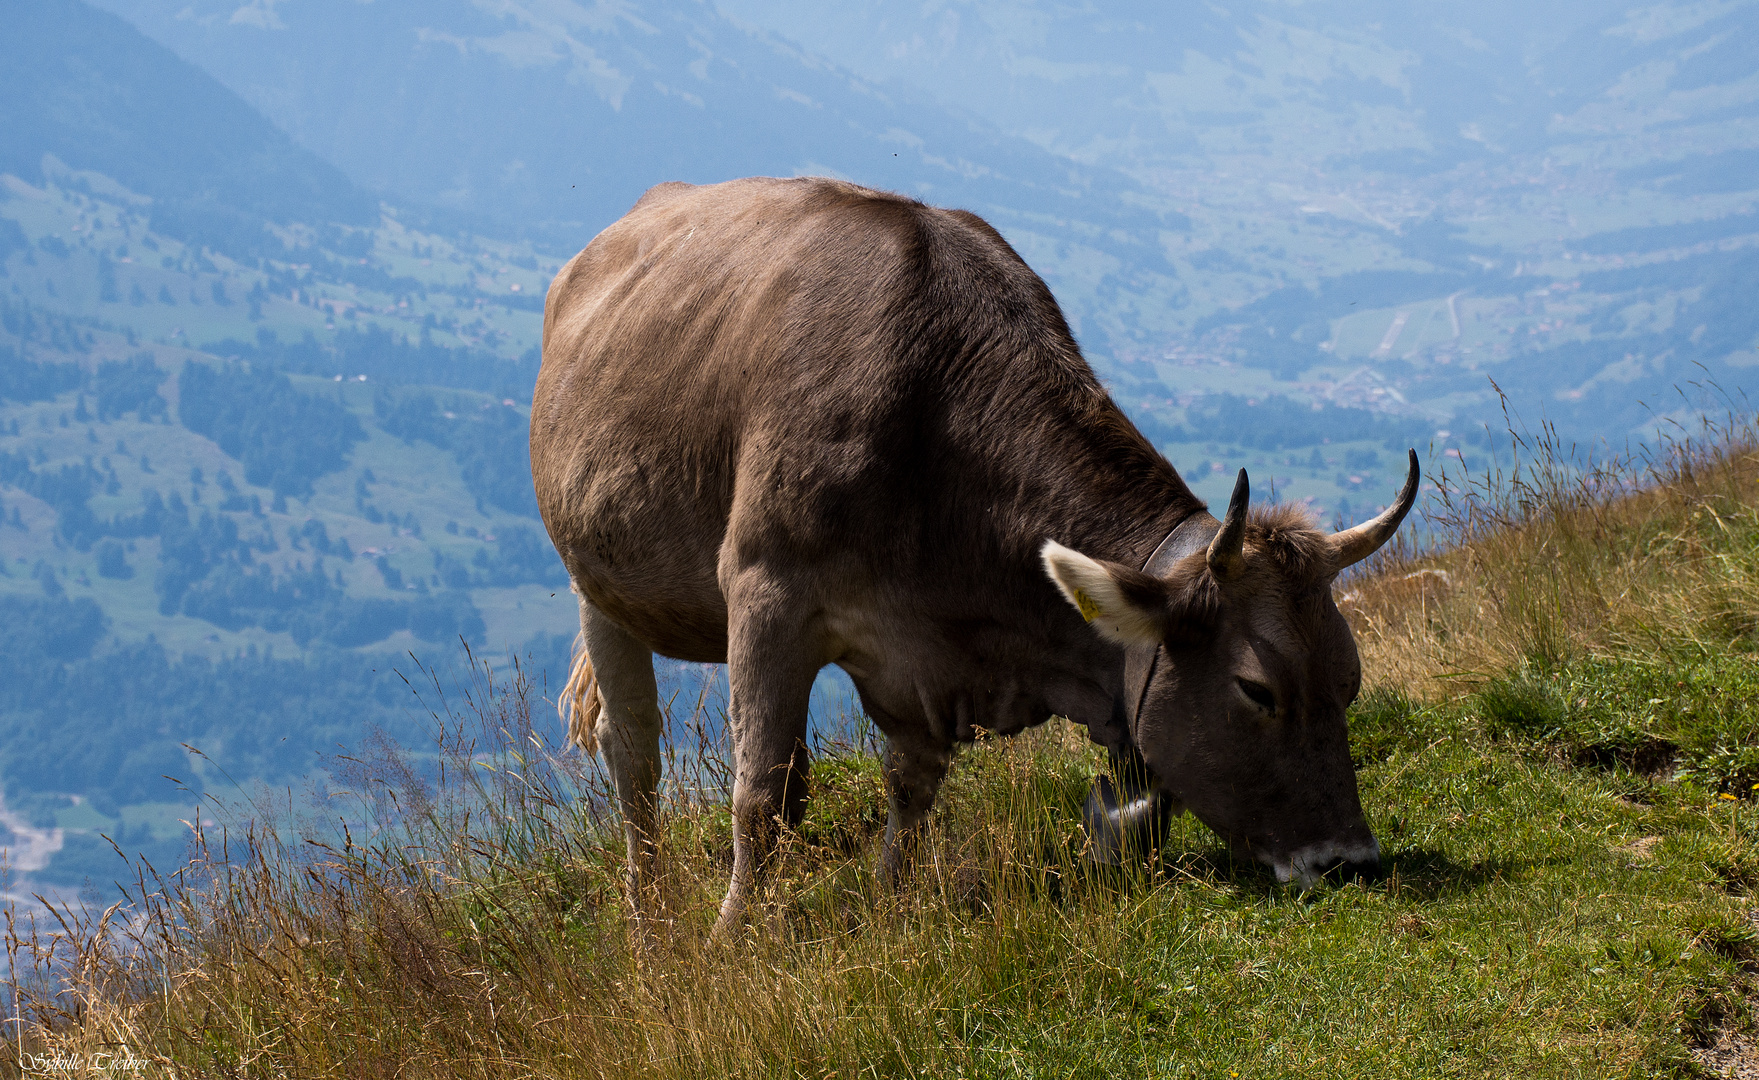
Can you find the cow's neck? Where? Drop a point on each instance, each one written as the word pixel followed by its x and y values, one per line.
pixel 1090 481
pixel 1111 495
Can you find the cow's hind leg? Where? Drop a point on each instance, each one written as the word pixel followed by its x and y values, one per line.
pixel 627 733
pixel 772 659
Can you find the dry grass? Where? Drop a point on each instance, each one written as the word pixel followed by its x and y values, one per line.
pixel 460 916
pixel 1547 558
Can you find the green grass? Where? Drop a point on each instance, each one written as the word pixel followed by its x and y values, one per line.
pixel 1697 715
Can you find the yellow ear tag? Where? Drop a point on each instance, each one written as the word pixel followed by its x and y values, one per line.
pixel 1084 603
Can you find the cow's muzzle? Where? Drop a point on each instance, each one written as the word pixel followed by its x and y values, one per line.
pixel 1333 861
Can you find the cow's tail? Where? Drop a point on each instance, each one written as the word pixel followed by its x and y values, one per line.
pixel 578 704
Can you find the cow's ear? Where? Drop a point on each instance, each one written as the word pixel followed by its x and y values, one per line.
pixel 1125 605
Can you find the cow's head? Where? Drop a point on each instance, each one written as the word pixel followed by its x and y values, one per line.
pixel 1244 671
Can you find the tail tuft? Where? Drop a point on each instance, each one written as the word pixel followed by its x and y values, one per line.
pixel 578 704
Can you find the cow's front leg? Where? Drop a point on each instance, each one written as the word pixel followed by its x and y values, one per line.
pixel 914 769
pixel 772 659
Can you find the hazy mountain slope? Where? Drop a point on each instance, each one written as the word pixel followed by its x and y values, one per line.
pixel 1388 85
pixel 547 120
pixel 560 114
pixel 198 554
pixel 1390 202
pixel 1436 133
pixel 91 90
pixel 1379 198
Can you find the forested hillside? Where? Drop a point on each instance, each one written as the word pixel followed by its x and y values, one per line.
pixel 241 480
pixel 198 551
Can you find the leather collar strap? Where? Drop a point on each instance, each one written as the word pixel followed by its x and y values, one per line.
pixel 1188 537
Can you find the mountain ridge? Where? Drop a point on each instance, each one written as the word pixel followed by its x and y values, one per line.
pixel 91 91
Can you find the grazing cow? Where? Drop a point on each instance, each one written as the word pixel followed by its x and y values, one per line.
pixel 790 423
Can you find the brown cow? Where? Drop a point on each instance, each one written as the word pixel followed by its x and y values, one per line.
pixel 790 423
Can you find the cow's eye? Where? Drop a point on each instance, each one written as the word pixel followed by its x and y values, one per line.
pixel 1258 693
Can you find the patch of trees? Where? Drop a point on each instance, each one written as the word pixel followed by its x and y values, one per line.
pixel 12 238
pixel 1276 423
pixel 1714 319
pixel 51 629
pixel 1700 174
pixel 66 490
pixel 208 223
pixel 315 533
pixel 120 386
pixel 30 380
pixel 189 551
pixel 522 301
pixel 74 715
pixel 1644 238
pixel 112 559
pixel 385 357
pixel 1272 423
pixel 1723 318
pixel 309 606
pixel 107 291
pixel 208 567
pixel 208 570
pixel 109 723
pixel 39 327
pixel 1282 331
pixel 129 386
pixel 491 443
pixel 285 438
pixel 401 360
pixel 525 556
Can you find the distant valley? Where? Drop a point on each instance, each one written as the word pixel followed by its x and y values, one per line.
pixel 263 396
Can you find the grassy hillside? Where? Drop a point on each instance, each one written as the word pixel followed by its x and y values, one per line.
pixel 1549 749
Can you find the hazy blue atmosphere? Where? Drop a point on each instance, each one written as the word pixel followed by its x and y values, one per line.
pixel 271 278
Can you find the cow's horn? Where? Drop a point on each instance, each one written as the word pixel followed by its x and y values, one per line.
pixel 1225 559
pixel 1353 545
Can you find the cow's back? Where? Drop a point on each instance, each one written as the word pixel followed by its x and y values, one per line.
pixel 800 371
